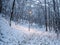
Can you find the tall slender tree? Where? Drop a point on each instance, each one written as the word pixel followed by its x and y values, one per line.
pixel 54 8
pixel 58 18
pixel 46 15
pixel 49 16
pixel 0 6
pixel 11 16
pixel 56 15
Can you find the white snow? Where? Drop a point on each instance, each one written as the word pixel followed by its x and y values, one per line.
pixel 19 35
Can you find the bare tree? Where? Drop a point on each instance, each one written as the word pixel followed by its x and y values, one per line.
pixel 11 16
pixel 58 18
pixel 0 6
pixel 49 16
pixel 46 15
pixel 56 15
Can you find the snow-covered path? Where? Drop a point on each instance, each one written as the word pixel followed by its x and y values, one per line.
pixel 25 29
pixel 19 35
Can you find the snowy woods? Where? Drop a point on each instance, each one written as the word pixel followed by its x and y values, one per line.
pixel 34 13
pixel 45 12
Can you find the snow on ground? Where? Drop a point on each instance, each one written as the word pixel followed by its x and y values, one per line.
pixel 19 35
pixel 26 24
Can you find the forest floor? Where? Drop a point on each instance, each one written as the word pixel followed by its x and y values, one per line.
pixel 20 35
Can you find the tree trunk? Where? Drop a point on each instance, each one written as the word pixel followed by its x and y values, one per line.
pixel 0 6
pixel 46 16
pixel 11 16
pixel 56 13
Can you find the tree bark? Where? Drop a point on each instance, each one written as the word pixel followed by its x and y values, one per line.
pixel 0 6
pixel 11 16
pixel 46 16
